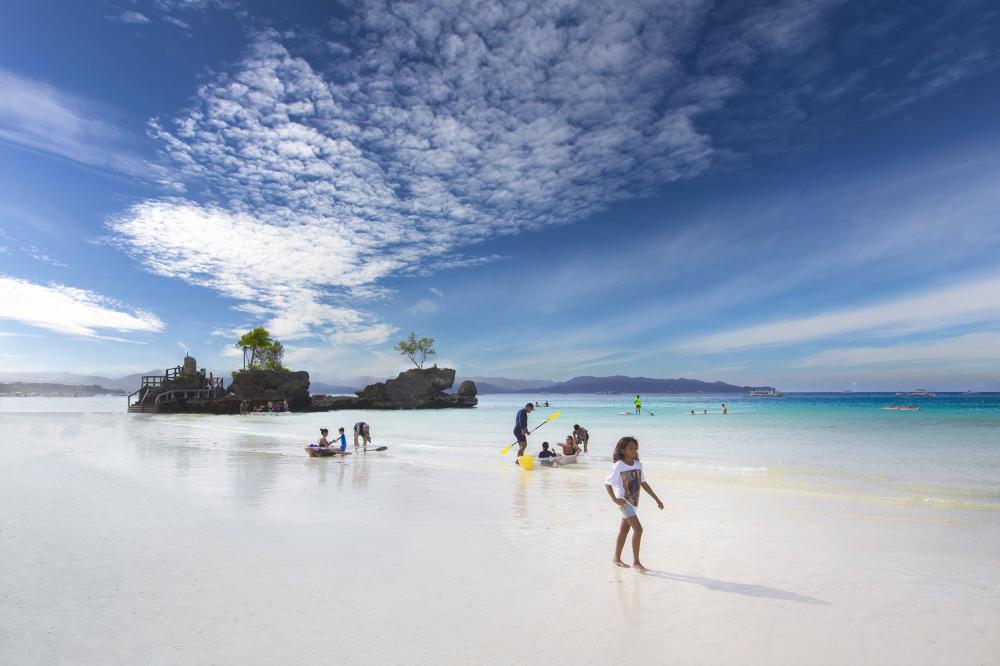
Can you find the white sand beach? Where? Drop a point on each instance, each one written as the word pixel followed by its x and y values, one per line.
pixel 184 540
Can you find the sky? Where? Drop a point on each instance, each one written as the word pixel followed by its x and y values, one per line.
pixel 803 194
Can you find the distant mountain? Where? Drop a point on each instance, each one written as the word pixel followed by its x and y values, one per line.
pixel 128 383
pixel 50 388
pixel 616 384
pixel 503 384
pixel 316 388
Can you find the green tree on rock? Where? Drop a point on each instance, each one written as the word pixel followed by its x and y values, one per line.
pixel 271 357
pixel 253 345
pixel 416 350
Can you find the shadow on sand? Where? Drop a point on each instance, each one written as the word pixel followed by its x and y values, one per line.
pixel 761 591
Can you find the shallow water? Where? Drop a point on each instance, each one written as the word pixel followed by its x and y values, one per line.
pixel 812 524
pixel 946 454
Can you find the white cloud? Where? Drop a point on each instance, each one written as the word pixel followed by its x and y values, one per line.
pixel 441 126
pixel 36 116
pixel 132 17
pixel 184 25
pixel 942 308
pixel 983 347
pixel 425 306
pixel 70 311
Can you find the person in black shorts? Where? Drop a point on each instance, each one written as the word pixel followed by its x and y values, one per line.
pixel 521 429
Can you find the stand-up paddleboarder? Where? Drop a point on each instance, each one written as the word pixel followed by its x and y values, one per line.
pixel 521 429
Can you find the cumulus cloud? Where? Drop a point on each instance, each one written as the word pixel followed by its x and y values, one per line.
pixel 71 311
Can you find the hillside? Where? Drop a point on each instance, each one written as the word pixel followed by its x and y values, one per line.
pixel 52 389
pixel 621 384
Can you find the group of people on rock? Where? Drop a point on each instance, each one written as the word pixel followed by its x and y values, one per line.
pixel 272 406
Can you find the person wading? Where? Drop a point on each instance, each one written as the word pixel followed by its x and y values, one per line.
pixel 521 429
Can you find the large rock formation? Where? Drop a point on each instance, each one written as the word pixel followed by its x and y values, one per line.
pixel 413 389
pixel 259 386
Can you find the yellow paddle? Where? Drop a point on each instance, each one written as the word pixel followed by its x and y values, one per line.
pixel 554 416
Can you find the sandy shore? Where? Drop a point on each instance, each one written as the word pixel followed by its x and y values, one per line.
pixel 184 554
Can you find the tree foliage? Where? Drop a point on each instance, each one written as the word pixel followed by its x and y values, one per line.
pixel 271 357
pixel 253 344
pixel 416 350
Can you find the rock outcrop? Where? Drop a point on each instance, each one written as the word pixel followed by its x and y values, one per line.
pixel 259 386
pixel 413 389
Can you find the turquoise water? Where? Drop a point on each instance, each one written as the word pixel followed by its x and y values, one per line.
pixel 947 454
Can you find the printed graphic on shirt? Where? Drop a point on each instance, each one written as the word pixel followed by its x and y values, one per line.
pixel 630 481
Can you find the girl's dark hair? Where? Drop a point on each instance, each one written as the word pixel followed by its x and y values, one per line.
pixel 323 430
pixel 620 447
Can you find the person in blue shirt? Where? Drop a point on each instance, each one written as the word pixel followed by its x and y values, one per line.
pixel 521 429
pixel 343 440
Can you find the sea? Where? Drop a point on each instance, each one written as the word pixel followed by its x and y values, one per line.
pixel 946 454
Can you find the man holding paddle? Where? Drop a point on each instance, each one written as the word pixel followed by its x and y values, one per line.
pixel 521 429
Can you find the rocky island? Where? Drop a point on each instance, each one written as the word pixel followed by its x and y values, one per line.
pixel 414 389
pixel 187 389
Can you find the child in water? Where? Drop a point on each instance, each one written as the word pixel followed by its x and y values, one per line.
pixel 623 487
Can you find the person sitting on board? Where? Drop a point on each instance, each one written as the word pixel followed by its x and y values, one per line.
pixel 581 437
pixel 324 443
pixel 569 447
pixel 362 430
pixel 546 452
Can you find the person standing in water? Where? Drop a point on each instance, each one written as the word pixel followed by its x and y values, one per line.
pixel 638 405
pixel 521 429
pixel 725 410
pixel 362 430
pixel 582 437
pixel 623 485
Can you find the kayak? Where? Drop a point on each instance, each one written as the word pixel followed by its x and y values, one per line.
pixel 554 461
pixel 322 451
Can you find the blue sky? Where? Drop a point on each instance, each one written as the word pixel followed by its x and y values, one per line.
pixel 802 193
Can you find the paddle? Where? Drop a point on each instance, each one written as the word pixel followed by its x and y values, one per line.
pixel 380 448
pixel 554 416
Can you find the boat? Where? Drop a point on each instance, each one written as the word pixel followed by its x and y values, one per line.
pixel 322 451
pixel 969 392
pixel 922 393
pixel 765 393
pixel 901 408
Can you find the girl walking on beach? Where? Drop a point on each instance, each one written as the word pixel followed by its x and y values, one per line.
pixel 623 487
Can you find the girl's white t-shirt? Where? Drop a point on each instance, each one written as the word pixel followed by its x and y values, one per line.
pixel 625 480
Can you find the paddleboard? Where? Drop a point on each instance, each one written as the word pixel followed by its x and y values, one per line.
pixel 628 413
